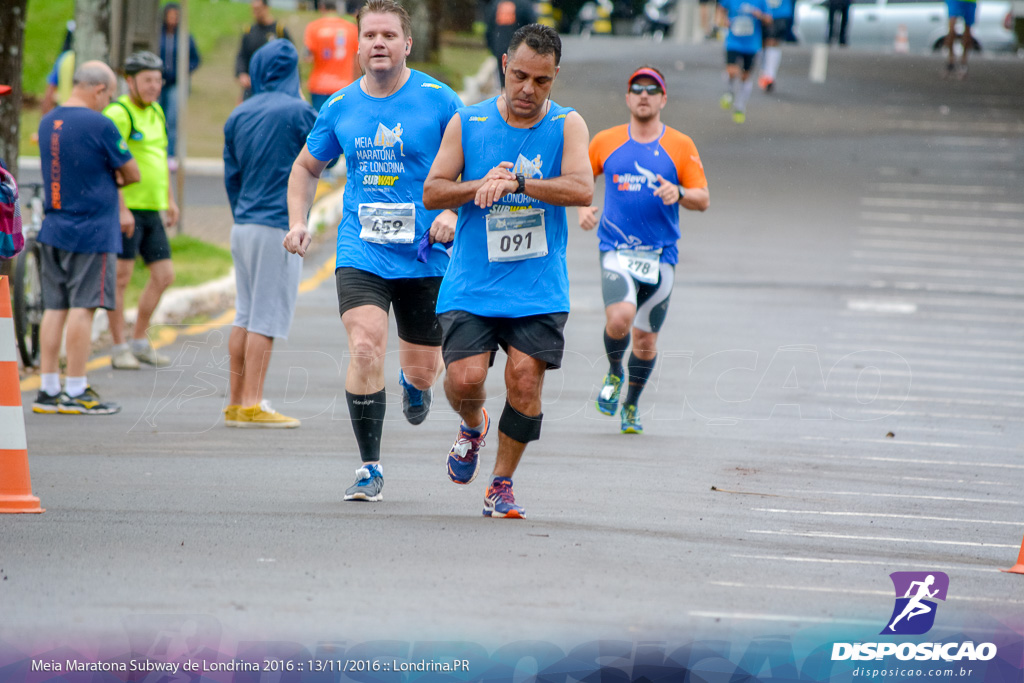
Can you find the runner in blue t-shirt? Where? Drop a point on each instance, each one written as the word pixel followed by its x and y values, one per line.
pixel 779 29
pixel 388 124
pixel 744 18
pixel 83 160
pixel 522 159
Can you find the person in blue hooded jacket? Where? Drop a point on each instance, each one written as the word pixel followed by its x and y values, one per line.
pixel 262 137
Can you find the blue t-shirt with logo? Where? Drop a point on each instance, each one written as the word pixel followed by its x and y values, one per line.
pixel 508 288
pixel 744 28
pixel 389 144
pixel 79 151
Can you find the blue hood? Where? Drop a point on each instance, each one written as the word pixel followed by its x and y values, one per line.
pixel 275 68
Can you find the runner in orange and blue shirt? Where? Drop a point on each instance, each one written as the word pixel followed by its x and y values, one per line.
pixel 650 170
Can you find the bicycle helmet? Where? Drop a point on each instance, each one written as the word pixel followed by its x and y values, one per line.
pixel 142 61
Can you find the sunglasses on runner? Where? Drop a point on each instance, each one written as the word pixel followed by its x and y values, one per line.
pixel 649 88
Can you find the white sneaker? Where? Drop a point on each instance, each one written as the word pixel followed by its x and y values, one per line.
pixel 124 360
pixel 152 357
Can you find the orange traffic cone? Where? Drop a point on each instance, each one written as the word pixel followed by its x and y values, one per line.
pixel 902 42
pixel 1019 567
pixel 15 483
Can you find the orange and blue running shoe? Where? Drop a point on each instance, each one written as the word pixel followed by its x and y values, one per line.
pixel 464 457
pixel 501 502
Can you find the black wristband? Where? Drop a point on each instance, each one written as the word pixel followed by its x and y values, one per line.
pixel 521 183
pixel 682 192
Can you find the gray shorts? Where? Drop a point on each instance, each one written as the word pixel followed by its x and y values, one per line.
pixel 266 279
pixel 651 301
pixel 72 280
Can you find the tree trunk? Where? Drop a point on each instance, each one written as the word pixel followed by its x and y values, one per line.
pixel 12 38
pixel 92 30
pixel 459 15
pixel 426 42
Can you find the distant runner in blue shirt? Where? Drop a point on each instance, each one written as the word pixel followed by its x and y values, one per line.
pixel 779 29
pixel 743 42
pixel 389 125
pixel 510 165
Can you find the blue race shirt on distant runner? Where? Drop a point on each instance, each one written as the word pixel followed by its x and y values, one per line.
pixel 79 150
pixel 781 9
pixel 744 28
pixel 510 287
pixel 389 144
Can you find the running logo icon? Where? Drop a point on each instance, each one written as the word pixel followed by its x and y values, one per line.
pixel 914 612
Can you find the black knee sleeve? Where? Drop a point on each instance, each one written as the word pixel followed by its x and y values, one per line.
pixel 515 425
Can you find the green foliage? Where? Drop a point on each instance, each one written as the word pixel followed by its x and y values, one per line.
pixel 44 35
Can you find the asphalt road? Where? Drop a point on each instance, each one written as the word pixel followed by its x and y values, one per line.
pixel 839 396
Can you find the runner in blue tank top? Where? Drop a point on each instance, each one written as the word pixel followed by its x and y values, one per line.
pixel 522 159
pixel 388 125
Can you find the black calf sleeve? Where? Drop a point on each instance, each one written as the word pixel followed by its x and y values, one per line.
pixel 515 425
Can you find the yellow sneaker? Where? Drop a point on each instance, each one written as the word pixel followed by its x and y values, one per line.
pixel 738 117
pixel 263 416
pixel 231 416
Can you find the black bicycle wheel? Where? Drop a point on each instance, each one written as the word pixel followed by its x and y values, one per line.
pixel 28 302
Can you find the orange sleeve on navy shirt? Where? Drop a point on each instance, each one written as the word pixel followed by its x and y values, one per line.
pixel 684 154
pixel 604 143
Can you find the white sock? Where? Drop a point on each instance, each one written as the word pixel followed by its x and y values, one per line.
pixel 75 386
pixel 50 383
pixel 741 99
pixel 118 348
pixel 140 344
pixel 772 58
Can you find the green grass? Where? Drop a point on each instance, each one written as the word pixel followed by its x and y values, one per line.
pixel 195 262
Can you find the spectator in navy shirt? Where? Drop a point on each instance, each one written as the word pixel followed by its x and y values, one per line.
pixel 84 160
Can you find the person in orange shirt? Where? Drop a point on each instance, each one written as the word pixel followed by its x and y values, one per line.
pixel 331 42
pixel 650 171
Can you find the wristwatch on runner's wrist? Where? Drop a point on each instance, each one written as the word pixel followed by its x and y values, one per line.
pixel 521 186
pixel 682 192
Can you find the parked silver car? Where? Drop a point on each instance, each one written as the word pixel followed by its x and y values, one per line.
pixel 875 24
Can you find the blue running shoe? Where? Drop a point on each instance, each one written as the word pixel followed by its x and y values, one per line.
pixel 369 484
pixel 415 402
pixel 501 502
pixel 630 421
pixel 464 457
pixel 608 398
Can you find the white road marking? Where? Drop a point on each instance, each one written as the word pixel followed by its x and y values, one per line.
pixel 930 444
pixel 982 417
pixel 920 246
pixel 938 272
pixel 878 539
pixel 957 190
pixel 918 257
pixel 760 616
pixel 924 461
pixel 876 515
pixel 850 591
pixel 957 221
pixel 943 205
pixel 880 306
pixel 872 563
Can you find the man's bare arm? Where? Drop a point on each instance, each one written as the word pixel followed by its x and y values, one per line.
pixel 575 186
pixel 301 190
